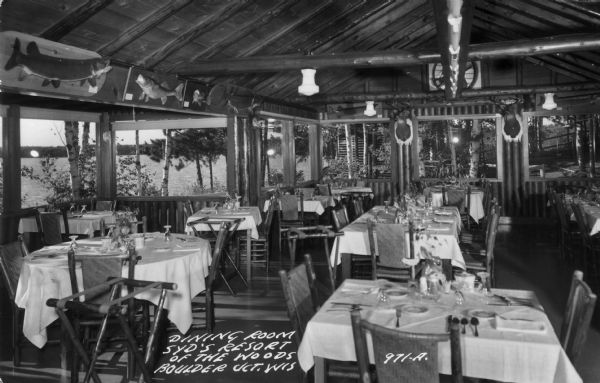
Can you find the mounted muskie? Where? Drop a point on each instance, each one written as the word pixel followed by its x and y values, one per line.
pixel 53 70
pixel 152 90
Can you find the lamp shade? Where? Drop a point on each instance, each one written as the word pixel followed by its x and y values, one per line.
pixel 549 103
pixel 370 109
pixel 308 87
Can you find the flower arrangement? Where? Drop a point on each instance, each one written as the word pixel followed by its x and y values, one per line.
pixel 123 221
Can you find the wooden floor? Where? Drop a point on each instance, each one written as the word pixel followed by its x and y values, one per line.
pixel 526 259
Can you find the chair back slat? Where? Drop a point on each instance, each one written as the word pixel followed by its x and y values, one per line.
pixel 578 315
pixel 11 262
pixel 105 205
pixel 324 189
pixel 340 218
pixel 223 235
pixel 298 298
pixel 388 243
pixel 288 203
pixel 51 227
pixel 581 222
pixel 387 340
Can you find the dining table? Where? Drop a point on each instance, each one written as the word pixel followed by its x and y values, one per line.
pixel 476 210
pixel 183 260
pixel 251 219
pixel 509 342
pixel 313 204
pixel 437 237
pixel 82 224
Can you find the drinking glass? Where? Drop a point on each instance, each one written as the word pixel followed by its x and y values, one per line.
pixel 168 233
pixel 387 206
pixel 72 209
pixel 83 209
pixel 73 244
pixel 485 282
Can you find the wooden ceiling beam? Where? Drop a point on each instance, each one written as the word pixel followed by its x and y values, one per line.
pixel 252 24
pixel 275 35
pixel 513 48
pixel 138 29
pixel 74 19
pixel 467 93
pixel 192 33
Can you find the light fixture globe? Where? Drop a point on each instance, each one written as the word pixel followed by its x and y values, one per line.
pixel 370 109
pixel 549 102
pixel 308 87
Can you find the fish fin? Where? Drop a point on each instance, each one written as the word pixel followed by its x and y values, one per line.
pixel 164 85
pixel 21 76
pixel 55 83
pixel 163 99
pixel 92 81
pixel 179 92
pixel 46 82
pixel 32 49
pixel 12 61
pixel 142 96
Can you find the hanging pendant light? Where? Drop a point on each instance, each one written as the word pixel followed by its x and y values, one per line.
pixel 308 87
pixel 549 102
pixel 370 109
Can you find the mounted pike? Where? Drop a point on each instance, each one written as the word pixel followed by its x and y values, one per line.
pixel 152 90
pixel 54 70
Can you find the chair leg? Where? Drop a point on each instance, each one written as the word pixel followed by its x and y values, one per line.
pixel 16 337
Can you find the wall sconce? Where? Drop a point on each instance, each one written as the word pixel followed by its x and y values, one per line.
pixel 549 103
pixel 308 87
pixel 370 109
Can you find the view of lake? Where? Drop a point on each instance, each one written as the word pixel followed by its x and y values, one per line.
pixel 180 182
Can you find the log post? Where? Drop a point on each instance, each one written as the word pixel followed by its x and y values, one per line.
pixel 11 159
pixel 106 174
pixel 288 151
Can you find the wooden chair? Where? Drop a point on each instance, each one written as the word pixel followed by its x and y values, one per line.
pixel 33 213
pixel 340 218
pixel 95 270
pixel 115 309
pixel 106 205
pixel 578 315
pixel 291 209
pixel 11 262
pixel 269 238
pixel 482 259
pixel 312 233
pixel 357 204
pixel 389 244
pixel 387 340
pixel 301 308
pixel 324 189
pixel 590 245
pixel 208 307
pixel 52 229
pixel 226 257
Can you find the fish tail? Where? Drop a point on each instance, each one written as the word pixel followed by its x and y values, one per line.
pixel 13 60
pixel 179 92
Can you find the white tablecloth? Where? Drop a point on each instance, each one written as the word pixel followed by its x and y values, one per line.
pixel 85 224
pixel 507 356
pixel 183 262
pixel 251 215
pixel 440 243
pixel 476 210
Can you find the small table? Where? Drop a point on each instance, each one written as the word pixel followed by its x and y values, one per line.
pixel 252 219
pixel 45 274
pixel 441 239
pixel 476 210
pixel 503 351
pixel 84 224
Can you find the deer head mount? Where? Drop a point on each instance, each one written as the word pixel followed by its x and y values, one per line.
pixel 512 113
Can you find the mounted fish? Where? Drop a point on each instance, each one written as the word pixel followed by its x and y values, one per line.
pixel 33 63
pixel 152 90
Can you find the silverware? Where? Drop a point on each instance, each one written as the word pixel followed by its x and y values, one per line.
pixel 464 322
pixel 475 323
pixel 398 315
pixel 350 304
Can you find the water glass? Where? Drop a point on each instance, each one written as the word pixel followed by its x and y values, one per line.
pixel 168 233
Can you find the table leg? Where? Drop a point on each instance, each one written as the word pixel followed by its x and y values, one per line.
pixel 319 370
pixel 249 255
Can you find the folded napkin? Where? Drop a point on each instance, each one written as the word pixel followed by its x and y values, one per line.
pixel 358 288
pixel 439 227
pixel 443 220
pixel 520 325
pixel 89 242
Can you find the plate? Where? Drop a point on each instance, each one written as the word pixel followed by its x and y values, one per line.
pixel 396 293
pixel 482 314
pixel 441 212
pixel 413 309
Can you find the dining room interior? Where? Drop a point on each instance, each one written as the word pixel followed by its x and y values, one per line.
pixel 308 190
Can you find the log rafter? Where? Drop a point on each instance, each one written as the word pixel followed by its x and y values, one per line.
pixel 132 33
pixel 74 19
pixel 193 32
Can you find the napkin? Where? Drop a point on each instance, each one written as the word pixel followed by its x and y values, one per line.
pixel 439 227
pixel 443 220
pixel 520 325
pixel 358 288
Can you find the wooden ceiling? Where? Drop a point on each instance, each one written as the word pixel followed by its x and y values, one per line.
pixel 205 40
